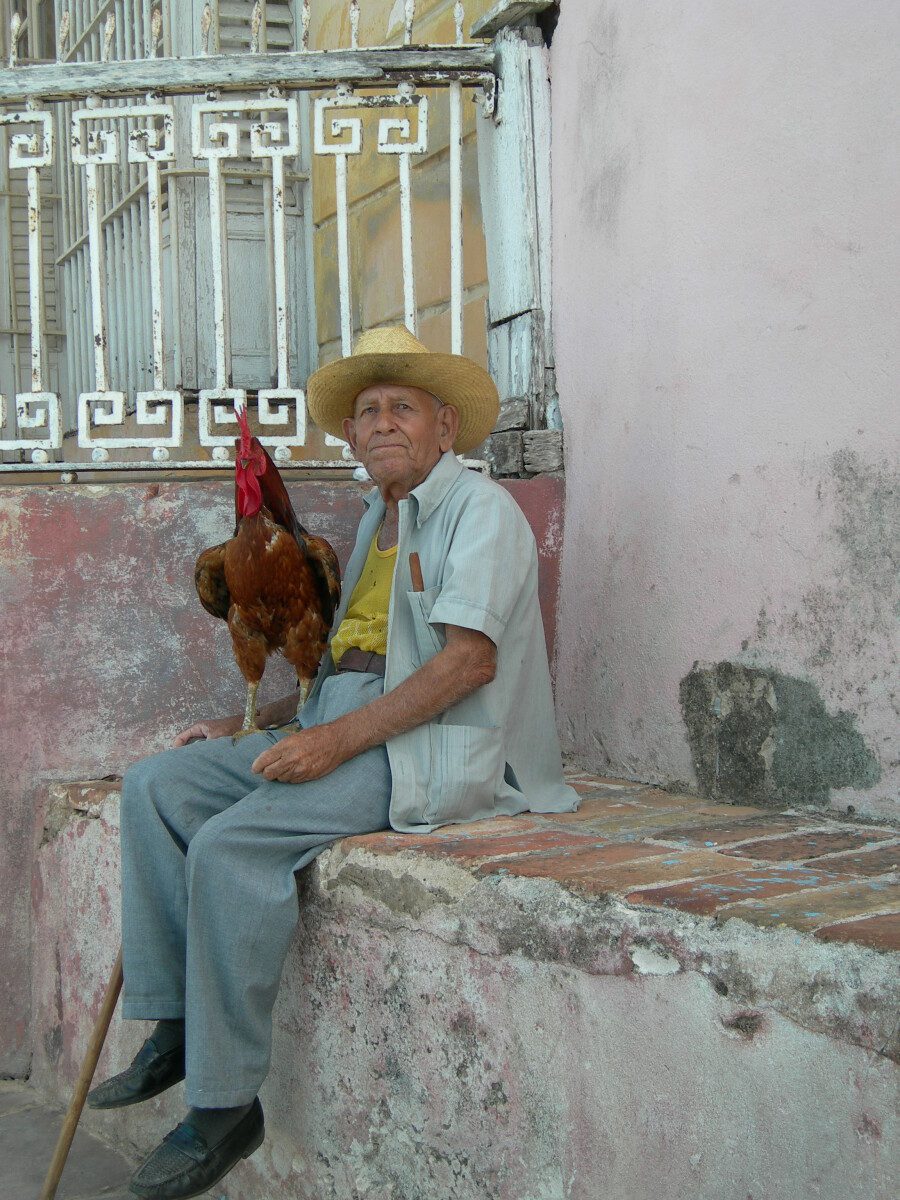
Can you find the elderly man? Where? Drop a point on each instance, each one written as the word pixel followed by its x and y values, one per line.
pixel 432 705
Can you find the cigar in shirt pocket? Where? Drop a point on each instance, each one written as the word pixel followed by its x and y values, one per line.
pixel 415 572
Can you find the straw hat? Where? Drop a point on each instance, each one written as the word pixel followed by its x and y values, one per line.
pixel 393 355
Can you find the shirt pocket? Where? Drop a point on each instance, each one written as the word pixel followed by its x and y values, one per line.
pixel 466 764
pixel 428 640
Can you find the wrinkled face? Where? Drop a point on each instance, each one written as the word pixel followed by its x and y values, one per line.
pixel 398 433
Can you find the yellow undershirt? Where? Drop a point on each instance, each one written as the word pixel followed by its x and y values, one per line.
pixel 366 621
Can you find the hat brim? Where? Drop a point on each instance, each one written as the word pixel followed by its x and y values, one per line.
pixel 453 378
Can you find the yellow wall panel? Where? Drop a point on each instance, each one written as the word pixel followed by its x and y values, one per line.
pixel 381 22
pixel 369 170
pixel 374 196
pixel 434 330
pixel 377 244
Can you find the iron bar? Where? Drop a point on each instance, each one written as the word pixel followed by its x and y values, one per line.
pixel 245 173
pixel 456 233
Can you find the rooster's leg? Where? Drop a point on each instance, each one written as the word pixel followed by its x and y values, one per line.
pixel 250 653
pixel 250 725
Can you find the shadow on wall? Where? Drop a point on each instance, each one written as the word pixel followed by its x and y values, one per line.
pixel 761 737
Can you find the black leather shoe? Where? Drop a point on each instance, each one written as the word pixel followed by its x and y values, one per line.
pixel 183 1165
pixel 150 1073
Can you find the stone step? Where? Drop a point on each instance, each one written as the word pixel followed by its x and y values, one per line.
pixel 492 1010
pixel 653 849
pixel 29 1130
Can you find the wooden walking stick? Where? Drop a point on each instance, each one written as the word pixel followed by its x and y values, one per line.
pixel 70 1124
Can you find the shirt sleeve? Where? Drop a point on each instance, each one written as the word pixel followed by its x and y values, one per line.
pixel 491 555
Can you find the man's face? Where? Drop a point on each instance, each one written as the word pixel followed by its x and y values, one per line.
pixel 398 433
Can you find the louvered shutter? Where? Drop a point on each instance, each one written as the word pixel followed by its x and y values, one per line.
pixel 36 44
pixel 249 233
pixel 186 234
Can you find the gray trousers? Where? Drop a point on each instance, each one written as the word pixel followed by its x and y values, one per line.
pixel 209 899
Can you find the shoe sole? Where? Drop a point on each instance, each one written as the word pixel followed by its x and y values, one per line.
pixel 258 1138
pixel 255 1144
pixel 127 1103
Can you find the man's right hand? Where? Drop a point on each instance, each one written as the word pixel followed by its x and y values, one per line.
pixel 224 727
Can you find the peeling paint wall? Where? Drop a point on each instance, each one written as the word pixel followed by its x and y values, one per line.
pixel 725 291
pixel 769 739
pixel 105 651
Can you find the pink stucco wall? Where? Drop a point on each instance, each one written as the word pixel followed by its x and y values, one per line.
pixel 105 652
pixel 725 296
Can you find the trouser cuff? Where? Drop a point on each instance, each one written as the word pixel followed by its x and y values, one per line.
pixel 219 1097
pixel 146 1008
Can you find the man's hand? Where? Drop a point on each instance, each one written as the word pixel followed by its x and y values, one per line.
pixel 298 757
pixel 224 727
pixel 279 712
pixel 467 662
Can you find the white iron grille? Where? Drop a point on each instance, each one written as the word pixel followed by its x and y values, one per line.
pixel 181 217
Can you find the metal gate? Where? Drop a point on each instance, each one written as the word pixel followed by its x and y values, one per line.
pixel 179 185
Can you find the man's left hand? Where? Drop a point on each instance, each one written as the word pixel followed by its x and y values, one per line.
pixel 307 754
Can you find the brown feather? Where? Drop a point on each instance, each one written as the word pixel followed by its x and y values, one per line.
pixel 209 580
pixel 277 502
pixel 329 573
pixel 277 585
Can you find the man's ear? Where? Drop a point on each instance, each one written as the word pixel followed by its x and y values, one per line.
pixel 448 426
pixel 349 427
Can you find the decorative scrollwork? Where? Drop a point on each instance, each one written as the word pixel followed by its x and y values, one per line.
pixel 34 411
pixel 98 408
pixel 338 126
pixel 221 138
pixel 287 399
pixel 267 138
pixel 152 408
pixel 156 407
pixel 216 407
pixel 152 142
pixel 33 149
pixel 346 132
pixel 93 147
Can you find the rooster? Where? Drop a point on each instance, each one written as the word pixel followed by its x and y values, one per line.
pixel 275 584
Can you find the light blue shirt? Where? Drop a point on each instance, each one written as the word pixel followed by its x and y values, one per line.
pixel 495 752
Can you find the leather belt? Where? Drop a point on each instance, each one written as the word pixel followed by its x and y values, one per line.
pixel 355 659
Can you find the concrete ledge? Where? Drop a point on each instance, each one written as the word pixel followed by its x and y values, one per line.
pixel 533 1008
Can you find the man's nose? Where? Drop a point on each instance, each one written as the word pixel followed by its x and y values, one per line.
pixel 384 420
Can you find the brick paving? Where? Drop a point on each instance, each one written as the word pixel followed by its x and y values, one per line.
pixel 807 845
pixel 719 892
pixel 813 871
pixel 882 933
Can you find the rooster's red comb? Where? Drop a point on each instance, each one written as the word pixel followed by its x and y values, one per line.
pixel 246 435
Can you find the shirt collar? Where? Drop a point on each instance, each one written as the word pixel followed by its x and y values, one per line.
pixel 433 488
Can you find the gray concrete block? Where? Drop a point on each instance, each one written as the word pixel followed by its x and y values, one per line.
pixel 506 453
pixel 513 413
pixel 542 450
